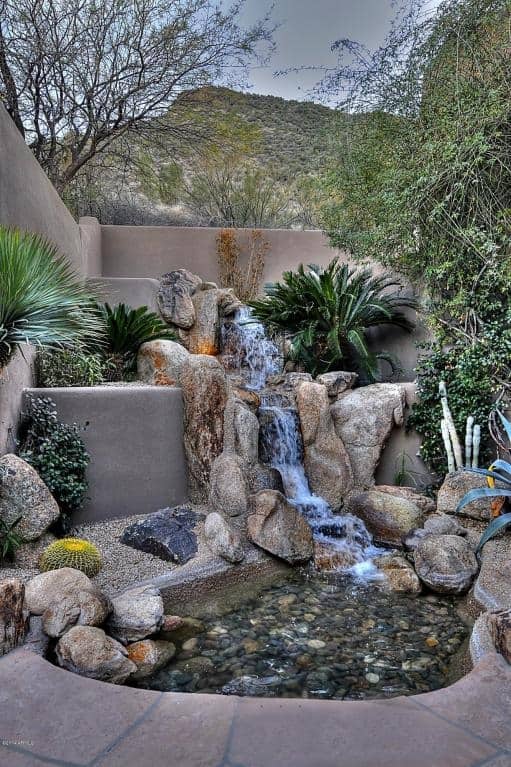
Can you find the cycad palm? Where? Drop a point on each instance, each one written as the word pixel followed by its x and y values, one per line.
pixel 326 312
pixel 42 302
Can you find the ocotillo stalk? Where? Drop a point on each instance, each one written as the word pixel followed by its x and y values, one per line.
pixel 469 440
pixel 476 442
pixel 448 447
pixel 458 457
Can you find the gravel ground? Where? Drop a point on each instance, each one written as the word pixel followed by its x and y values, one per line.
pixel 122 565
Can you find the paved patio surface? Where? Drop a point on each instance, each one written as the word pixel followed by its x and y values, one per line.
pixel 52 717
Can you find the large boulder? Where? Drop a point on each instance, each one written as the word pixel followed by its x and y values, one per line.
pixel 205 394
pixel 24 494
pixel 65 598
pixel 425 503
pixel 445 563
pixel 326 461
pixel 168 534
pixel 159 363
pixel 337 382
pixel 229 491
pixel 389 518
pixel 210 307
pixel 88 651
pixel 364 419
pixel 175 297
pixel 400 577
pixel 222 539
pixel 436 524
pixel 241 431
pixel 149 656
pixel 136 614
pixel 455 486
pixel 278 527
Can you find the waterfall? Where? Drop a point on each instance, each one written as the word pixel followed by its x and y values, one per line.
pixel 281 447
pixel 246 348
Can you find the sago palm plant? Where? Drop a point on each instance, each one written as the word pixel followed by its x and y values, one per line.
pixel 325 312
pixel 42 302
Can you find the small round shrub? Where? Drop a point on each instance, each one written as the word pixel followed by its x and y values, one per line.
pixel 71 552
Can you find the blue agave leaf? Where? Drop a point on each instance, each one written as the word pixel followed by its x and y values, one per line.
pixel 504 466
pixel 482 492
pixel 493 475
pixel 506 424
pixel 493 528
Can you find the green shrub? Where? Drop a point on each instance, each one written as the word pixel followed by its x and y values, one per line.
pixel 326 312
pixel 70 367
pixel 57 453
pixel 41 301
pixel 126 330
pixel 10 541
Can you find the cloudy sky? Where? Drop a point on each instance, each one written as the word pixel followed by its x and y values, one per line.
pixel 307 30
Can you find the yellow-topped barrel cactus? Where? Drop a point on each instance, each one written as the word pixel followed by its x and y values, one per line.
pixel 71 552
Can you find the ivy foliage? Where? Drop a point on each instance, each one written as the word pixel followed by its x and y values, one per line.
pixel 57 452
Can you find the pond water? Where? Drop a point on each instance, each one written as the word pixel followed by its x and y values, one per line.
pixel 322 637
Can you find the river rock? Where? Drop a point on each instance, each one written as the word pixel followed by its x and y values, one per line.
pixel 49 588
pixel 187 628
pixel 229 492
pixel 337 382
pixel 83 607
pixel 159 363
pixel 436 524
pixel 364 419
pixel 24 494
pixel 389 518
pixel 222 539
pixel 136 614
pixel 455 486
pixel 149 656
pixel 168 534
pixel 327 464
pixel 278 527
pixel 88 651
pixel 175 297
pixel 205 394
pixel 445 563
pixel 328 557
pixel 400 576
pixel 13 618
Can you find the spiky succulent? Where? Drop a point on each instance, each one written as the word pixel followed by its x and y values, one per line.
pixel 42 302
pixel 71 552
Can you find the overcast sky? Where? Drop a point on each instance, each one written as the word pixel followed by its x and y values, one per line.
pixel 307 30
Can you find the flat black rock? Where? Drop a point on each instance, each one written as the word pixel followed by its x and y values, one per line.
pixel 167 534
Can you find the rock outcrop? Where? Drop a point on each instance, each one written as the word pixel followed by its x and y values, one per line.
pixel 136 614
pixel 24 494
pixel 159 363
pixel 88 651
pixel 175 297
pixel 222 539
pixel 388 517
pixel 445 563
pixel 364 419
pixel 205 394
pixel 326 461
pixel 276 526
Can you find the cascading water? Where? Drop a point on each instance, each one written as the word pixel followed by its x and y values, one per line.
pixel 247 349
pixel 281 447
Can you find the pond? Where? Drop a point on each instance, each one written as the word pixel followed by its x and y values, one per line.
pixel 321 637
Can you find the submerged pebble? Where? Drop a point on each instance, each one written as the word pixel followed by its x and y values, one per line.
pixel 356 642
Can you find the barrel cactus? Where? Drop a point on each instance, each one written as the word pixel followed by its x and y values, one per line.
pixel 71 552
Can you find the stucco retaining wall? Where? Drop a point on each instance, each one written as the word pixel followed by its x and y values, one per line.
pixel 135 440
pixel 133 291
pixel 13 379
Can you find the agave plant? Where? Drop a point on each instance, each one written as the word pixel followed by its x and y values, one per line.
pixel 498 478
pixel 127 329
pixel 42 302
pixel 325 312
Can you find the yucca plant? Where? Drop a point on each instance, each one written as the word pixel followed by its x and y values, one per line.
pixel 498 478
pixel 126 330
pixel 325 312
pixel 42 301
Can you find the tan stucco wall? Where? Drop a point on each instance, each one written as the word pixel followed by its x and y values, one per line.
pixel 28 200
pixel 13 379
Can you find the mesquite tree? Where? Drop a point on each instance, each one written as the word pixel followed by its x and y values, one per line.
pixel 79 75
